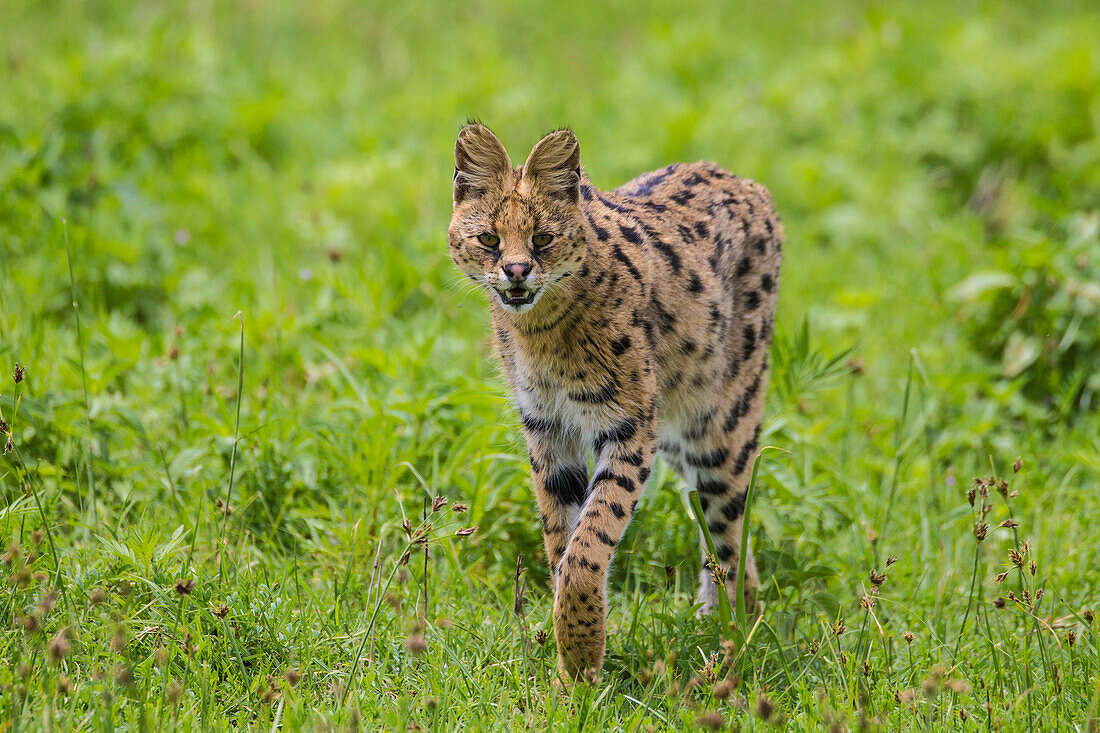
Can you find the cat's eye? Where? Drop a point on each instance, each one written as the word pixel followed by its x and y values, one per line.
pixel 489 240
pixel 541 240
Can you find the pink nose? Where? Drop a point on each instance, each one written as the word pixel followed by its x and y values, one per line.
pixel 517 271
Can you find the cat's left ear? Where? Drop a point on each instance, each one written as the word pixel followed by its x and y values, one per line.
pixel 555 165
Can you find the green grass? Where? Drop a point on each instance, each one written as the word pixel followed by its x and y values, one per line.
pixel 261 314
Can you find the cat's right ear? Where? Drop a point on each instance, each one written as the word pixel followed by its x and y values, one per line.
pixel 481 162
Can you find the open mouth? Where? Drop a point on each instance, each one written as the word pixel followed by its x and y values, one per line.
pixel 517 296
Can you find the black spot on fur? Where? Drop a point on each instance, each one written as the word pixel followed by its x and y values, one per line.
pixel 734 508
pixel 595 396
pixel 539 424
pixel 695 286
pixel 767 283
pixel 620 433
pixel 616 509
pixel 712 487
pixel 617 251
pixel 748 343
pixel 710 459
pixel 744 266
pixel 665 320
pixel 568 485
pixel 746 452
pixel 620 345
pixel 630 234
pixel 604 538
pixel 752 300
pixel 741 406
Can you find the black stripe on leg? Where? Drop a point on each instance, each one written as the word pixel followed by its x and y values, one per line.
pixel 710 459
pixel 734 508
pixel 620 433
pixel 712 488
pixel 568 485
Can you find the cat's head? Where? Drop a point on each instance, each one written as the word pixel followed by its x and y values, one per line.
pixel 517 232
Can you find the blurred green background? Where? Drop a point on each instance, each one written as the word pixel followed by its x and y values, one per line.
pixel 937 168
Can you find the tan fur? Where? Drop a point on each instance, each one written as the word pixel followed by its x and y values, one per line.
pixel 651 314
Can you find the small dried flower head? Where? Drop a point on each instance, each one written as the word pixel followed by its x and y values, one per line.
pixel 416 644
pixel 37 535
pixel 659 667
pixel 718 573
pixel 1071 637
pixel 438 503
pixel 711 720
pixel 877 578
pixel 334 255
pixel 18 372
pixel 1001 577
pixel 905 696
pixel 855 366
pixel 962 714
pixel 1017 465
pixel 459 508
pixel 221 611
pixel 723 689
pixel 59 648
pixel 9 445
pixel 184 586
pixel 908 636
pixel 1032 567
pixel 1086 613
pixel 124 675
pixel 47 601
pixel 981 529
pixel 21 578
pixel 293 676
pixel 97 596
pixel 4 429
pixel 541 637
pixel 867 601
pixel 64 686
pixel 839 627
pixel 890 561
pixel 764 707
pixel 959 687
pixel 31 623
pixel 119 640
pixel 970 494
pixel 174 691
pixel 1002 488
pixel 466 531
pixel 1009 524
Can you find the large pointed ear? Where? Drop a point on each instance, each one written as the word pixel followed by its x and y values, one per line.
pixel 555 164
pixel 481 162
